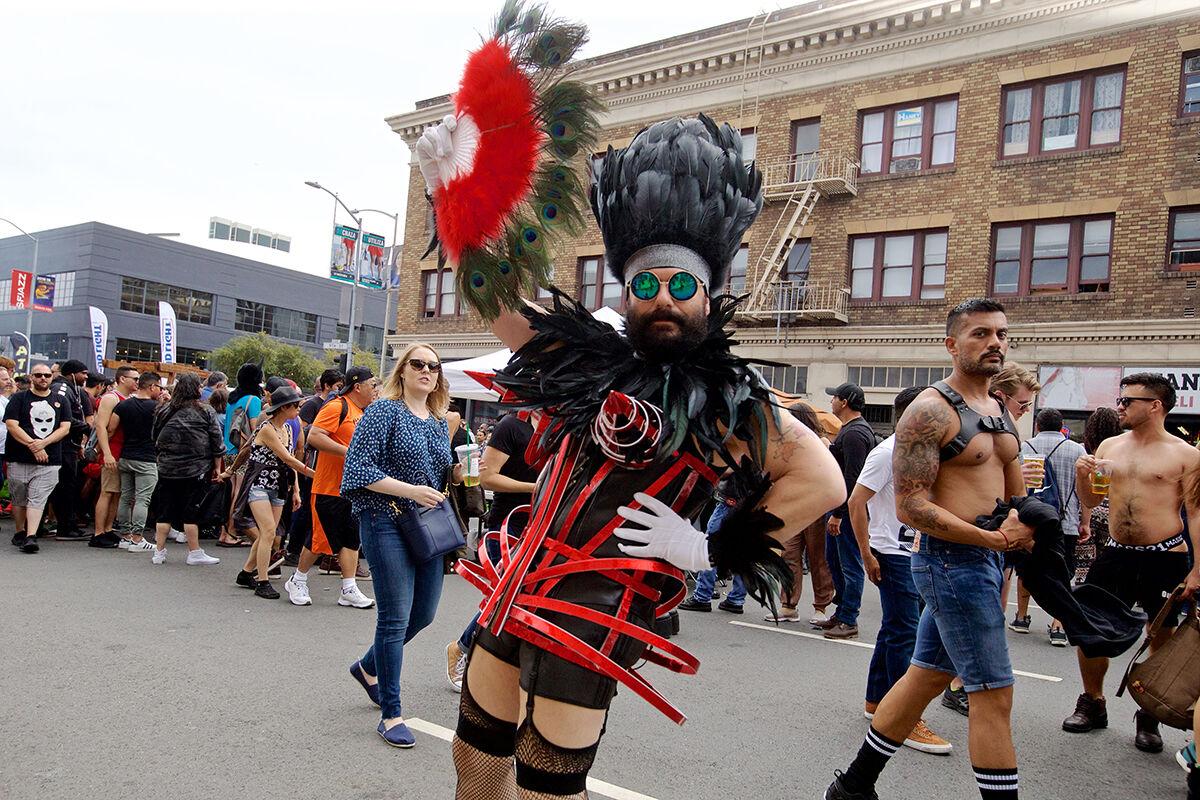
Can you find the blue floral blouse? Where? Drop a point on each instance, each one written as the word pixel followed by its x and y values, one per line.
pixel 392 442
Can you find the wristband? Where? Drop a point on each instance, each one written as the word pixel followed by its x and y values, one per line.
pixel 1007 543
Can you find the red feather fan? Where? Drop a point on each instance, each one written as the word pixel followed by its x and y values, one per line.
pixel 500 98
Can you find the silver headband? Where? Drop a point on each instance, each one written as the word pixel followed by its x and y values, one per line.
pixel 669 255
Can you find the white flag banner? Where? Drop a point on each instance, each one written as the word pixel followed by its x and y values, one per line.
pixel 99 326
pixel 167 331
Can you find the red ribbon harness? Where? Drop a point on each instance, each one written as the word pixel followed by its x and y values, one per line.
pixel 515 589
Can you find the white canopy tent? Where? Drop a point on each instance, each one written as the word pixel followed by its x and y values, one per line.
pixel 464 387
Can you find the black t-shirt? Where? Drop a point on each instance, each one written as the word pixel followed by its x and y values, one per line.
pixel 38 417
pixel 137 420
pixel 511 437
pixel 308 411
pixel 855 440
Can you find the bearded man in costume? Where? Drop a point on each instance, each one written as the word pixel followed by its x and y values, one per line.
pixel 635 431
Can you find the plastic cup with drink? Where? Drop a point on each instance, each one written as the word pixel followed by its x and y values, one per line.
pixel 1033 469
pixel 1102 478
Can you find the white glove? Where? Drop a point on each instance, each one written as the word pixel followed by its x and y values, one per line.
pixel 447 150
pixel 667 536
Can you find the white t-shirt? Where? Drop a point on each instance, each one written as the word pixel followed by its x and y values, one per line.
pixel 886 533
pixel 3 427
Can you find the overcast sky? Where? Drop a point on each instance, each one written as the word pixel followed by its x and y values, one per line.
pixel 155 116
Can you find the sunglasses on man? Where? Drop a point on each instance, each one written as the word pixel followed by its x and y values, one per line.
pixel 1126 401
pixel 681 286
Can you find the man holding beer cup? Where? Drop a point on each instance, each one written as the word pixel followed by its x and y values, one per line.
pixel 1142 471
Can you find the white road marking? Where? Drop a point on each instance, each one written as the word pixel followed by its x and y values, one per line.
pixel 853 643
pixel 596 786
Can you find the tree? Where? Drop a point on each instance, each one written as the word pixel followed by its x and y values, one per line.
pixel 362 358
pixel 277 358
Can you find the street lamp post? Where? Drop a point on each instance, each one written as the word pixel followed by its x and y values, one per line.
pixel 357 267
pixel 32 281
pixel 387 289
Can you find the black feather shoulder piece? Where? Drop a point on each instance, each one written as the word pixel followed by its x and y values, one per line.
pixel 681 182
pixel 574 360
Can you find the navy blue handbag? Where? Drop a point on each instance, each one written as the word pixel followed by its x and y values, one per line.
pixel 431 532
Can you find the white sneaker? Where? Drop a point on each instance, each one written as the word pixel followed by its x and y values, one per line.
pixel 159 555
pixel 198 557
pixel 458 669
pixel 178 536
pixel 354 597
pixel 298 592
pixel 144 546
pixel 124 544
pixel 818 618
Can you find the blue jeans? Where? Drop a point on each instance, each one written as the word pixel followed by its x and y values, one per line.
pixel 706 580
pixel 901 607
pixel 406 597
pixel 468 635
pixel 961 631
pixel 846 567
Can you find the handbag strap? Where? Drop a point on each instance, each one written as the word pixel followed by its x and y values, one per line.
pixel 1153 631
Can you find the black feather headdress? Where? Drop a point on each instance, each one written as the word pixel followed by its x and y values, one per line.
pixel 681 182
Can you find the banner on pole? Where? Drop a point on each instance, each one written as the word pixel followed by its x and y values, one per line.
pixel 341 258
pixel 99 331
pixel 167 331
pixel 20 348
pixel 22 288
pixel 391 257
pixel 43 293
pixel 371 273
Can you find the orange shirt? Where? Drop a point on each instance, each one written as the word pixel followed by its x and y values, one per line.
pixel 328 478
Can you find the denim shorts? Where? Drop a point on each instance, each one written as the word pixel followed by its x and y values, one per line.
pixel 256 493
pixel 961 631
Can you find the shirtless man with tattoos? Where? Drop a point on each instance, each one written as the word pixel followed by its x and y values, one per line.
pixel 1146 555
pixel 955 454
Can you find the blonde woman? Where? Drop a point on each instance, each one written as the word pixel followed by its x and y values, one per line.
pixel 397 461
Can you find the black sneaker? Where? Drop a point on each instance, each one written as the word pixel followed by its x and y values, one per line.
pixel 30 545
pixel 957 700
pixel 1058 637
pixel 1019 624
pixel 838 791
pixel 1089 715
pixel 246 580
pixel 692 604
pixel 76 535
pixel 18 539
pixel 105 541
pixel 265 590
pixel 291 560
pixel 725 605
pixel 1148 739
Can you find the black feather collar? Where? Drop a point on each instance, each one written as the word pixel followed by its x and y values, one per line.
pixel 574 360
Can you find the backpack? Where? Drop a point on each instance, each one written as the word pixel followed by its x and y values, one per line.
pixel 241 429
pixel 1048 494
pixel 315 453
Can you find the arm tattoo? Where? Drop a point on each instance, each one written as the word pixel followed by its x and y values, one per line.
pixel 916 461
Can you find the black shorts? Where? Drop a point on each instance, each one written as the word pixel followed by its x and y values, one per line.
pixel 178 500
pixel 1142 577
pixel 337 520
pixel 547 675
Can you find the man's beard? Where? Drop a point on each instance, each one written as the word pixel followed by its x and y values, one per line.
pixel 981 367
pixel 661 348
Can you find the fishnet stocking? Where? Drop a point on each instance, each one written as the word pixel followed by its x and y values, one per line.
pixel 551 760
pixel 525 794
pixel 483 777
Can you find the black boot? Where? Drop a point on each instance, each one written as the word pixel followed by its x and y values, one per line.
pixel 1089 715
pixel 1148 739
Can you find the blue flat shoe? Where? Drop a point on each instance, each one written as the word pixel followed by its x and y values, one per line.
pixel 397 736
pixel 356 672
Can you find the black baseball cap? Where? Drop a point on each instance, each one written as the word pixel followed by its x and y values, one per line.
pixel 852 393
pixel 355 376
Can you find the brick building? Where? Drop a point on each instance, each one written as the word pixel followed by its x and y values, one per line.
pixel 1046 153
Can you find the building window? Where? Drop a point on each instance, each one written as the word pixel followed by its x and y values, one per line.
pixel 749 144
pixel 218 228
pixel 241 234
pixel 1189 84
pixel 898 266
pixel 796 266
pixel 439 293
pixel 51 345
pixel 896 377
pixel 806 141
pixel 1056 256
pixel 262 238
pixel 283 323
pixel 1184 252
pixel 909 137
pixel 282 243
pixel 598 288
pixel 370 338
pixel 133 350
pixel 737 271
pixel 790 379
pixel 142 297
pixel 1058 114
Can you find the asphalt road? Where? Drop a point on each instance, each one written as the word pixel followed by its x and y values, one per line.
pixel 120 679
